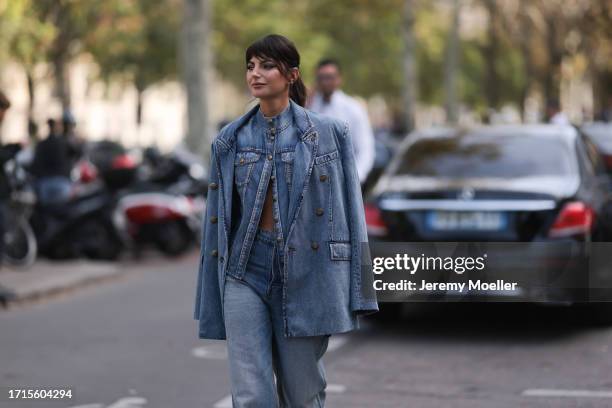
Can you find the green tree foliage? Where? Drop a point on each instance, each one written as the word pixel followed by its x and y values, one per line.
pixel 137 41
pixel 26 38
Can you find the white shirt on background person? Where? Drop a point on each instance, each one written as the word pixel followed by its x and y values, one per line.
pixel 342 106
pixel 560 118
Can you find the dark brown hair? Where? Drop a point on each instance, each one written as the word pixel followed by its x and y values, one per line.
pixel 281 50
pixel 329 61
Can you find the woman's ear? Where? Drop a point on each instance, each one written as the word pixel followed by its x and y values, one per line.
pixel 295 74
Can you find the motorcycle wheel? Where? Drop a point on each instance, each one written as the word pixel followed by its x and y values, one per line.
pixel 99 240
pixel 174 238
pixel 20 247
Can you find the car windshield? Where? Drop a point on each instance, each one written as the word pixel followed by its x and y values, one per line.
pixel 480 156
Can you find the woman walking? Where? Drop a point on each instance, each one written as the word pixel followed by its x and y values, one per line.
pixel 284 258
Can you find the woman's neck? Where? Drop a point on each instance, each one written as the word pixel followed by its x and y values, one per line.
pixel 272 107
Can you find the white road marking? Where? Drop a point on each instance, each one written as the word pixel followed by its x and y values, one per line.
pixel 543 392
pixel 335 342
pixel 335 388
pixel 226 402
pixel 212 352
pixel 88 406
pixel 127 402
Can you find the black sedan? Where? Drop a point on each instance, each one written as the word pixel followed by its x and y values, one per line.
pixel 545 185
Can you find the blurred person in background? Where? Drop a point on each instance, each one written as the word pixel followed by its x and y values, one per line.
pixel 606 113
pixel 555 115
pixel 75 143
pixel 7 152
pixel 5 104
pixel 330 100
pixel 52 166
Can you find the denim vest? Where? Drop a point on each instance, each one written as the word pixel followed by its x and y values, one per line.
pixel 328 279
pixel 264 155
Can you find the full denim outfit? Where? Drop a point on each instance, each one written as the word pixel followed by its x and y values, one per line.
pixel 278 296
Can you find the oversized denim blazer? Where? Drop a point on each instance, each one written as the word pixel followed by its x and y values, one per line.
pixel 326 287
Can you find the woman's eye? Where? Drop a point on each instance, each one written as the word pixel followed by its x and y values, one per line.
pixel 267 66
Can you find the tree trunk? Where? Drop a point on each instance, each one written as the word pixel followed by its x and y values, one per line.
pixel 526 32
pixel 451 67
pixel 552 80
pixel 490 53
pixel 31 99
pixel 197 65
pixel 62 80
pixel 139 107
pixel 410 82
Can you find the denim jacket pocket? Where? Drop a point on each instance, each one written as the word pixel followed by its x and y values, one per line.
pixel 340 250
pixel 287 159
pixel 244 165
pixel 327 157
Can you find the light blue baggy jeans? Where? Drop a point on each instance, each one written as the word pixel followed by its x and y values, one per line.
pixel 257 349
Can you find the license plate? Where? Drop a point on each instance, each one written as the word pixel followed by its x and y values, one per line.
pixel 466 220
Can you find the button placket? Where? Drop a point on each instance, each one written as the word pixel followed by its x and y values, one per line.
pixel 271 155
pixel 275 207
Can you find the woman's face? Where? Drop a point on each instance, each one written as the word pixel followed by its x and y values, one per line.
pixel 264 78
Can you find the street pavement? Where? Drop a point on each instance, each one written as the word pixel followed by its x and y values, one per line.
pixel 131 342
pixel 44 278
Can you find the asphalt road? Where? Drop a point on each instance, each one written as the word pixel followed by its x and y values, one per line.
pixel 131 342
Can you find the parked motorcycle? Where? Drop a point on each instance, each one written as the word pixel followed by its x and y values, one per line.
pixel 20 246
pixel 165 205
pixel 83 224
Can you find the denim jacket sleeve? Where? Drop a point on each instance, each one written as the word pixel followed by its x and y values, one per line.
pixel 208 307
pixel 363 295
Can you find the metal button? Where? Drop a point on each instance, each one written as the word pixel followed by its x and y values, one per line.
pixel 272 137
pixel 273 177
pixel 319 211
pixel 269 157
pixel 213 186
pixel 323 177
pixel 279 238
pixel 314 245
pixel 273 130
pixel 220 259
pixel 214 252
pixel 273 198
pixel 213 219
pixel 275 219
pixel 241 160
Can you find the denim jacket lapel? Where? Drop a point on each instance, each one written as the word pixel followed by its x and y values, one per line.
pixel 226 149
pixel 305 152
